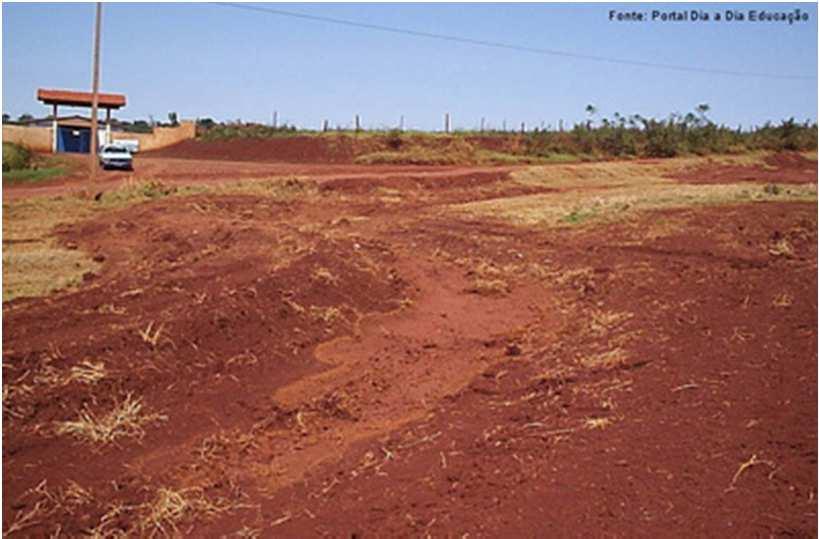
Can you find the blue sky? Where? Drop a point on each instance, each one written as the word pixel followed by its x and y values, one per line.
pixel 209 60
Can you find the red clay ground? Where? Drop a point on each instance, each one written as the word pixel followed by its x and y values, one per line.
pixel 785 167
pixel 341 149
pixel 349 361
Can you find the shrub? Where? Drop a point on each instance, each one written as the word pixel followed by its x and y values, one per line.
pixel 15 157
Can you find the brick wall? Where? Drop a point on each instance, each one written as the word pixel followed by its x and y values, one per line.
pixel 161 137
pixel 37 139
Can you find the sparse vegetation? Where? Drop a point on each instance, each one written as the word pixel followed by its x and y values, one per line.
pixel 21 165
pixel 629 188
pixel 693 133
pixel 608 360
pixel 126 419
pixel 15 157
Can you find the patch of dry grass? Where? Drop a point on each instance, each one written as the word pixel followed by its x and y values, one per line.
pixel 85 372
pixel 162 515
pixel 488 287
pixel 325 275
pixel 604 321
pixel 601 192
pixel 326 314
pixel 170 507
pixel 608 360
pixel 781 247
pixel 125 420
pixel 48 502
pixel 782 300
pixel 596 423
pixel 34 264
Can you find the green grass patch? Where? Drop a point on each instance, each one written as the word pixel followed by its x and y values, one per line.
pixel 578 216
pixel 32 175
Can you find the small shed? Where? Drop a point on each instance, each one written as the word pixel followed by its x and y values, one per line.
pixel 72 134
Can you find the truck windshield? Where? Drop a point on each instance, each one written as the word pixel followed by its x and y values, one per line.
pixel 116 149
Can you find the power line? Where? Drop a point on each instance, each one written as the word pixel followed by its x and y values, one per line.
pixel 508 46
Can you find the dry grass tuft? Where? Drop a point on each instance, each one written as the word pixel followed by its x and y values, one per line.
pixel 596 423
pixel 604 321
pixel 782 300
pixel 86 372
pixel 151 336
pixel 489 287
pixel 125 420
pixel 160 516
pixel 327 314
pixel 12 395
pixel 49 502
pixel 326 276
pixel 611 359
pixel 781 247
pixel 170 507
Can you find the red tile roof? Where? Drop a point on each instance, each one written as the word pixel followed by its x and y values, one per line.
pixel 79 99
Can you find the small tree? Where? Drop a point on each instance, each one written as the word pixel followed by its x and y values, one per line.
pixel 173 118
pixel 591 110
pixel 25 117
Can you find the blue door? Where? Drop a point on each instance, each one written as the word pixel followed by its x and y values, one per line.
pixel 73 139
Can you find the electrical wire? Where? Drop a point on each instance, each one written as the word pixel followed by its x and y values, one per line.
pixel 508 46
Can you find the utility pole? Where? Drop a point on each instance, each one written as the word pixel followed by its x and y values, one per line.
pixel 483 121
pixel 95 92
pixel 275 119
pixel 446 122
pixel 357 123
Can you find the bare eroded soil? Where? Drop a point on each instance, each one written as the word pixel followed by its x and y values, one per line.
pixel 352 357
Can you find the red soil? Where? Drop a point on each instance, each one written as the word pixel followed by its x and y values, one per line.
pixel 339 149
pixel 331 365
pixel 295 149
pixel 785 167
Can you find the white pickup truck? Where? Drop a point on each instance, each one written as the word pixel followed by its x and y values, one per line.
pixel 115 156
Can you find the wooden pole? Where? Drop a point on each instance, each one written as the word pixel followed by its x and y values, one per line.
pixel 95 91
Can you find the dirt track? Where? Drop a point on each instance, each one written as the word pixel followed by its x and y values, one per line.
pixel 354 359
pixel 177 171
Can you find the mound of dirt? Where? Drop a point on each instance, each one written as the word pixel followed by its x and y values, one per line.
pixel 335 149
pixel 297 149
